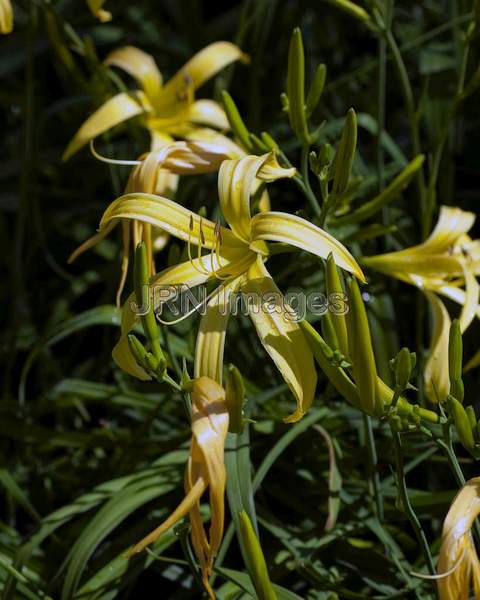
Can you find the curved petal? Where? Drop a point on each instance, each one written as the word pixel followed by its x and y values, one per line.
pixel 169 216
pixel 281 337
pixel 437 381
pixel 210 136
pixel 6 16
pixel 452 223
pixel 211 334
pixel 457 555
pixel 208 112
pixel 201 67
pixel 290 229
pixel 97 11
pixel 139 65
pixel 114 111
pixel 470 305
pixel 237 181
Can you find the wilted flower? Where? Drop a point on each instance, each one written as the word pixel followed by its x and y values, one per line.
pixel 458 565
pixel 205 471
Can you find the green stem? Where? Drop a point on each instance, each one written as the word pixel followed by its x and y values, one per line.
pixel 375 488
pixel 406 505
pixel 302 179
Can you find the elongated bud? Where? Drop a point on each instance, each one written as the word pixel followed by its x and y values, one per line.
pixel 316 89
pixel 343 161
pixel 351 8
pixel 462 423
pixel 403 365
pixel 258 567
pixel 472 417
pixel 328 331
pixel 258 145
pixel 236 122
pixel 296 86
pixel 361 352
pixel 235 397
pixel 268 140
pixel 137 349
pixel 335 291
pixel 142 292
pixel 455 360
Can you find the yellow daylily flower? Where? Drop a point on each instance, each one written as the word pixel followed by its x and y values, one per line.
pixel 458 565
pixel 205 470
pixel 169 110
pixel 236 258
pixel 6 16
pixel 446 264
pixel 97 10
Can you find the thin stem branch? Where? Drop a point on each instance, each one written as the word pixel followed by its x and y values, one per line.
pixel 375 488
pixel 407 506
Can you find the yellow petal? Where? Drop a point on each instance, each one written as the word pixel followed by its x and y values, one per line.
pixel 181 511
pixel 6 16
pixel 97 11
pixel 224 144
pixel 208 112
pixel 169 216
pixel 237 181
pixel 201 67
pixel 457 553
pixel 470 305
pixel 281 337
pixel 437 382
pixel 139 65
pixel 213 327
pixel 290 229
pixel 114 111
pixel 451 224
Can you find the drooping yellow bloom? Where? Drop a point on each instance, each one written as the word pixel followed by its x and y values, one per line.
pixel 97 10
pixel 205 470
pixel 458 565
pixel 169 110
pixel 236 258
pixel 446 264
pixel 6 16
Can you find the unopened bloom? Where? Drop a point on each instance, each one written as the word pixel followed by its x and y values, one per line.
pixel 236 258
pixel 205 471
pixel 446 264
pixel 170 111
pixel 458 565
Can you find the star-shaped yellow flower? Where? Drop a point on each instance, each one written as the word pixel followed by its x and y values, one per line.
pixel 236 257
pixel 446 264
pixel 169 110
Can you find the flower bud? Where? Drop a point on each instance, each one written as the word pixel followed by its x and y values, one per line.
pixel 462 423
pixel 235 398
pixel 316 89
pixel 296 87
pixel 343 161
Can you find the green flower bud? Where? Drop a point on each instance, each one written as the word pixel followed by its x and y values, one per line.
pixel 316 89
pixel 455 360
pixel 462 423
pixel 142 289
pixel 361 352
pixel 343 161
pixel 235 399
pixel 334 286
pixel 403 365
pixel 236 122
pixel 296 87
pixel 137 349
pixel 258 567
